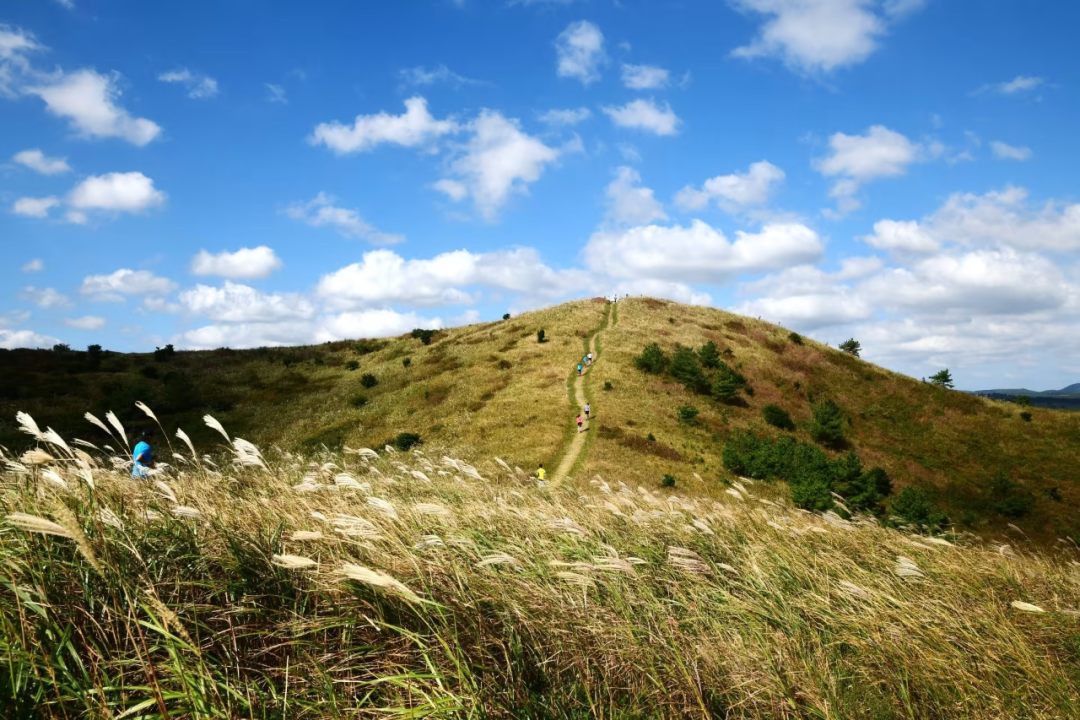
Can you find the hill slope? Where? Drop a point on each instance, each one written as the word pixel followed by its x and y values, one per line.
pixel 492 390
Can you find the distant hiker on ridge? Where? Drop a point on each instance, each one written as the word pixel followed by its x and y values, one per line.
pixel 540 472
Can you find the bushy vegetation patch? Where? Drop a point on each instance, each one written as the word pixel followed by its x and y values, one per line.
pixel 777 417
pixel 808 471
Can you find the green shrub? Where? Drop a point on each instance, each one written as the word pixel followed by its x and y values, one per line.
pixel 506 316
pixel 1008 497
pixel 709 355
pixel 651 438
pixel 405 440
pixel 1025 416
pixel 505 364
pixel 163 354
pixel 541 336
pixel 916 506
pixel 368 380
pixel 727 384
pixel 406 362
pixel 358 401
pixel 795 338
pixel 685 369
pixel 1022 400
pixel 366 347
pixel 777 417
pixel 425 336
pixel 149 371
pixel 807 470
pixel 668 481
pixel 651 360
pixel 688 414
pixel 352 365
pixel 827 425
pixel 608 385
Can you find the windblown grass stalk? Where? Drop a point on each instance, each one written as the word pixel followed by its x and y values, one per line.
pixel 478 593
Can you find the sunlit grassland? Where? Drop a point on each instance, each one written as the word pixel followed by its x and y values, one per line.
pixel 919 433
pixel 418 585
pixel 484 388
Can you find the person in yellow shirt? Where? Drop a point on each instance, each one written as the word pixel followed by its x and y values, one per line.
pixel 540 472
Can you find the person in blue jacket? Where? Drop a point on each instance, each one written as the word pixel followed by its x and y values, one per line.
pixel 143 456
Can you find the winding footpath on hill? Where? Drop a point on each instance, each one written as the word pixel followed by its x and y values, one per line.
pixel 577 442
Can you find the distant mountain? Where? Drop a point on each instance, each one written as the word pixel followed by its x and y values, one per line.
pixel 1073 389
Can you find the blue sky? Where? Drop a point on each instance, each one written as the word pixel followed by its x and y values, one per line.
pixel 235 174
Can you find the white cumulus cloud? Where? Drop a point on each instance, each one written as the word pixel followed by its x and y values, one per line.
pixel 629 203
pixel 243 304
pixel 322 212
pixel 1008 152
pixel 644 77
pixel 901 237
pixel 384 277
pixel 87 322
pixel 87 99
pixel 645 115
pixel 199 87
pixel 1019 84
pixel 498 160
pixel 112 288
pixel 699 253
pixel 35 207
pixel 116 192
pixel 857 159
pixel 1007 218
pixel 257 262
pixel 818 36
pixel 11 339
pixel 44 297
pixel 579 50
pixel 420 75
pixel 414 128
pixel 559 118
pixel 35 265
pixel 40 162
pixel 734 192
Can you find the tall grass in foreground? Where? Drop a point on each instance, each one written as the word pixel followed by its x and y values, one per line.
pixel 385 584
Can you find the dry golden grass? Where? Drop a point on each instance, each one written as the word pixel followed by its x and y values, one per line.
pixel 440 587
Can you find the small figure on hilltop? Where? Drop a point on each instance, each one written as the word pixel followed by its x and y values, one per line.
pixel 588 409
pixel 579 422
pixel 541 473
pixel 143 456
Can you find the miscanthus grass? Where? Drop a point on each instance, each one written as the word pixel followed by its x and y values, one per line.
pixel 253 583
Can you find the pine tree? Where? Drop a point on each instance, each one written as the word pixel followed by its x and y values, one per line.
pixel 651 360
pixel 942 378
pixel 684 367
pixel 827 425
pixel 727 384
pixel 851 347
pixel 709 355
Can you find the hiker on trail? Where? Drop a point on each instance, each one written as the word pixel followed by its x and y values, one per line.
pixel 579 422
pixel 540 472
pixel 143 456
pixel 588 408
pixel 579 366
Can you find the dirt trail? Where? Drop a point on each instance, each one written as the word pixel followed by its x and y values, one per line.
pixel 578 441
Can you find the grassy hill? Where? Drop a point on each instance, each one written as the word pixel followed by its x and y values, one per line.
pixel 317 578
pixel 492 389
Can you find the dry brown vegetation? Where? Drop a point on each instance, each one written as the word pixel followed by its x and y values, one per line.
pixel 387 584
